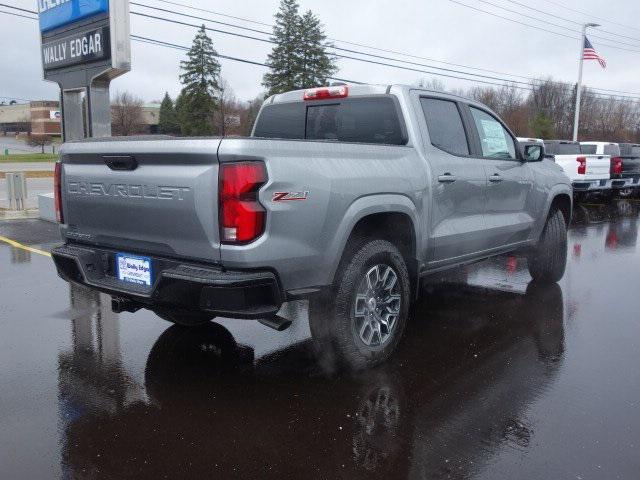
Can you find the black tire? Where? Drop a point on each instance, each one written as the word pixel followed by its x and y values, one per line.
pixel 332 317
pixel 184 318
pixel 548 260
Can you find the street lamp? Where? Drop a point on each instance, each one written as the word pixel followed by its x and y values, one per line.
pixel 579 89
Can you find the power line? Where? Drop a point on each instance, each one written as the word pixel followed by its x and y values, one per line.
pixel 18 8
pixel 162 43
pixel 395 52
pixel 588 15
pixel 333 47
pixel 17 15
pixel 531 26
pixel 371 55
pixel 568 19
pixel 560 26
pixel 509 81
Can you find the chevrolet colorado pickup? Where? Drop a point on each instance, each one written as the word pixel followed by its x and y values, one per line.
pixel 346 195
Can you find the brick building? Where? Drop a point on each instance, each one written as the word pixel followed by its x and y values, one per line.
pixel 42 117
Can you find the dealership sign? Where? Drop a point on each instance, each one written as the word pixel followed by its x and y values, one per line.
pixel 58 13
pixel 79 33
pixel 81 47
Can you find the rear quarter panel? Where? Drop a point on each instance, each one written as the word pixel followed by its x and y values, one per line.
pixel 303 239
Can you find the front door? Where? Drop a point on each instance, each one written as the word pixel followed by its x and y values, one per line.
pixel 509 207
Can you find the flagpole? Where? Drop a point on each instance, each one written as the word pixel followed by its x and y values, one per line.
pixel 576 117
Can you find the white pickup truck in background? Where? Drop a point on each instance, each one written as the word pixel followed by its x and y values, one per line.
pixel 589 173
pixel 611 150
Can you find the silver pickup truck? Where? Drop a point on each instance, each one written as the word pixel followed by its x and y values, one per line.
pixel 347 195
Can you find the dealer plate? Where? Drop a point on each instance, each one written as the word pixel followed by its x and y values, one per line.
pixel 134 269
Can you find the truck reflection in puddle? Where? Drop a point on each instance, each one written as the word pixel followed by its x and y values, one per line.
pixel 457 392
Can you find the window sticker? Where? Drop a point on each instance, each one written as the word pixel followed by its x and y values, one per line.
pixel 494 139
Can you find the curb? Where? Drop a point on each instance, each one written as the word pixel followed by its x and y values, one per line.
pixel 34 174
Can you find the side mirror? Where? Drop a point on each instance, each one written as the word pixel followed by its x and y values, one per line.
pixel 532 152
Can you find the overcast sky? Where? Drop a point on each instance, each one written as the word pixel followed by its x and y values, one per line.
pixel 437 29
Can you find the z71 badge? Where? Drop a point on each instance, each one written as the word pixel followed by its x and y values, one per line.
pixel 288 196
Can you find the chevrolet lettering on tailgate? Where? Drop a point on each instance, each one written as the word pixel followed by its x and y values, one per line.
pixel 161 192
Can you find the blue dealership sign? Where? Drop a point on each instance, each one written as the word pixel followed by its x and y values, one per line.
pixel 58 13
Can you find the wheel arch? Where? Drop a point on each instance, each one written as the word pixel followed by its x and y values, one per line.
pixel 389 217
pixel 560 196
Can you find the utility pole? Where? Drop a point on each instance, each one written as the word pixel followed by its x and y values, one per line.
pixel 576 117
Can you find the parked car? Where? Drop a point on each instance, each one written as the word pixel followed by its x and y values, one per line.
pixel 612 151
pixel 345 195
pixel 588 173
pixel 630 155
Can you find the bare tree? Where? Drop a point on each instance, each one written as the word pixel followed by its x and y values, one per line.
pixel 126 114
pixel 40 141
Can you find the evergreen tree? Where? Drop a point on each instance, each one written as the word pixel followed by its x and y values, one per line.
pixel 542 126
pixel 168 119
pixel 317 65
pixel 180 109
pixel 285 59
pixel 201 80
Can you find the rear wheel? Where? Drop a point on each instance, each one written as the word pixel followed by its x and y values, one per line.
pixel 363 318
pixel 548 260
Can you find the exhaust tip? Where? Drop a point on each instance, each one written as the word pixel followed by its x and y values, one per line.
pixel 276 322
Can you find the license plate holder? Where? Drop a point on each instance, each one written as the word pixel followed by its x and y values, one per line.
pixel 134 269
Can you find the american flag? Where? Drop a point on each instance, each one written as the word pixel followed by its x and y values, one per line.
pixel 589 53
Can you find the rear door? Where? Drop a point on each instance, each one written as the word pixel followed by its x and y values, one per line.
pixel 148 197
pixel 457 226
pixel 510 206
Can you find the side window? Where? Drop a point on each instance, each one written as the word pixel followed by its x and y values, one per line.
pixel 281 120
pixel 445 125
pixel 494 139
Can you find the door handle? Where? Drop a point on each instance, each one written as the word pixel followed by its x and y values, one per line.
pixel 495 178
pixel 447 178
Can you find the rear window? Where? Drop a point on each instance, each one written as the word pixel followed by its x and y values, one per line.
pixel 553 148
pixel 588 149
pixel 613 150
pixel 359 120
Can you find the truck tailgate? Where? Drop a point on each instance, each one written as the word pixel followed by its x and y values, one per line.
pixel 598 165
pixel 139 195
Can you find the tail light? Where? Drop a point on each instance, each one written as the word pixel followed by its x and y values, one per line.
pixel 321 93
pixel 582 165
pixel 57 192
pixel 616 165
pixel 242 218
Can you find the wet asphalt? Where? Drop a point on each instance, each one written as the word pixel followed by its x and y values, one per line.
pixel 496 379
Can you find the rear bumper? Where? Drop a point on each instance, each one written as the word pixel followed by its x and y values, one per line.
pixel 634 178
pixel 590 185
pixel 618 183
pixel 177 284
